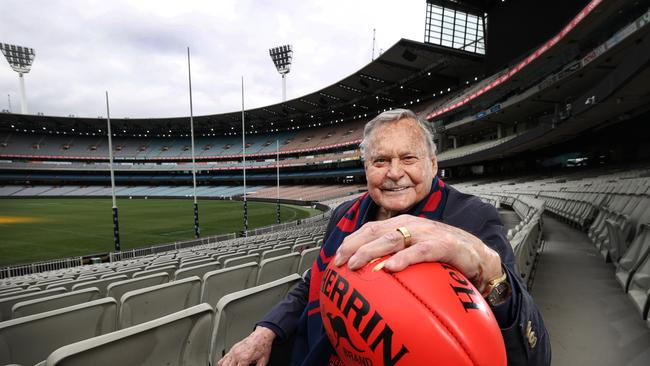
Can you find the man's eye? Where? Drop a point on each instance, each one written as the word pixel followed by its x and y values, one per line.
pixel 410 159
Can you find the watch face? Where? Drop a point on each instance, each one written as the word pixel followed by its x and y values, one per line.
pixel 499 294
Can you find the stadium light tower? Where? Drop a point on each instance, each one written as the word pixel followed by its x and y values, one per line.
pixel 20 59
pixel 282 57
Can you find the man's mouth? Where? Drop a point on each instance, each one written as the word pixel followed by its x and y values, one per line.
pixel 394 189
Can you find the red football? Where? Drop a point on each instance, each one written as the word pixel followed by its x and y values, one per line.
pixel 427 314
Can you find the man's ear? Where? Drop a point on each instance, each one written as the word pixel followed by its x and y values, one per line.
pixel 434 165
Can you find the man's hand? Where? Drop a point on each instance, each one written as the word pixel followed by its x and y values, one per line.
pixel 431 241
pixel 254 349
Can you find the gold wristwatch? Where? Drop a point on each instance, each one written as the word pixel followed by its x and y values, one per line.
pixel 498 290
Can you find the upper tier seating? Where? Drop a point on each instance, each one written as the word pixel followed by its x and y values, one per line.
pixel 162 148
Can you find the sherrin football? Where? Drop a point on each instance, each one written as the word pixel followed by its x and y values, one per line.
pixel 427 314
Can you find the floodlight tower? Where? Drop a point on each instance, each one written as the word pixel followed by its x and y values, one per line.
pixel 282 57
pixel 20 59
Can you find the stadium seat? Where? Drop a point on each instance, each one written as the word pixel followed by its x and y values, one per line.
pixel 307 258
pixel 221 282
pixel 163 263
pixel 85 277
pixel 67 284
pixel 275 252
pixel 53 302
pixel 127 272
pixel 199 270
pixel 303 245
pixel 277 267
pixel 633 257
pixel 131 268
pixel 260 250
pixel 101 284
pixel 235 261
pixel 139 306
pixel 18 291
pixel 195 262
pixel 222 258
pixel 119 288
pixel 45 282
pixel 178 339
pixel 7 303
pixel 167 269
pixel 639 285
pixel 30 339
pixel 8 285
pixel 238 312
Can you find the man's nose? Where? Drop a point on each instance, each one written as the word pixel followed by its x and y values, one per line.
pixel 395 170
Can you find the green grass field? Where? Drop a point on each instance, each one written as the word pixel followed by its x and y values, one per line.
pixel 39 229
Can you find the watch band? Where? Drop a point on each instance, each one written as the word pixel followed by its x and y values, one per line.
pixel 498 290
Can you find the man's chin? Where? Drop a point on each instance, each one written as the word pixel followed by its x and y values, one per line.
pixel 395 204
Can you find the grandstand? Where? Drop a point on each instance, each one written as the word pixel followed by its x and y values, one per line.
pixel 549 126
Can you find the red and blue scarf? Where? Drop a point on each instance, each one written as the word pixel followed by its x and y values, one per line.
pixel 361 211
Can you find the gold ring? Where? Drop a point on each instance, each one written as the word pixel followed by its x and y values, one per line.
pixel 407 236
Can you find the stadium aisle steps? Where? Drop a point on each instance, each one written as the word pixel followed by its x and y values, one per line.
pixel 583 305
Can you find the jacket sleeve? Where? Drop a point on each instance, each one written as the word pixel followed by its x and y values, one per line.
pixel 525 336
pixel 284 317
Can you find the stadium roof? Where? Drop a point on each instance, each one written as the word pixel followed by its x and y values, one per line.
pixel 468 6
pixel 402 75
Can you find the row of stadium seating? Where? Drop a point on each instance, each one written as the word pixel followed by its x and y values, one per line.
pixel 309 193
pixel 297 192
pixel 181 166
pixel 120 191
pixel 526 237
pixel 24 144
pixel 613 208
pixel 128 302
pixel 307 160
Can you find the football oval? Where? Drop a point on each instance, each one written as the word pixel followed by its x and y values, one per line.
pixel 427 314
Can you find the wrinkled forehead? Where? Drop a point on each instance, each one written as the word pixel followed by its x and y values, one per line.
pixel 403 136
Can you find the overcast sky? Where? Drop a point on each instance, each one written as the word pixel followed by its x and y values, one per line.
pixel 136 50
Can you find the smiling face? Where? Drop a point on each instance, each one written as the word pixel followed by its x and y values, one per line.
pixel 399 167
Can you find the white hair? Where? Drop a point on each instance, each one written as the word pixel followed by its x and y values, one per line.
pixel 395 115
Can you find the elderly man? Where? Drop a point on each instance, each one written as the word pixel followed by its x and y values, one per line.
pixel 410 212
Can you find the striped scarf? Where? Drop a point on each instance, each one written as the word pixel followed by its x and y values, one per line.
pixel 430 207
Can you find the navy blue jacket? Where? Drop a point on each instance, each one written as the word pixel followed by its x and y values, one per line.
pixel 522 327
